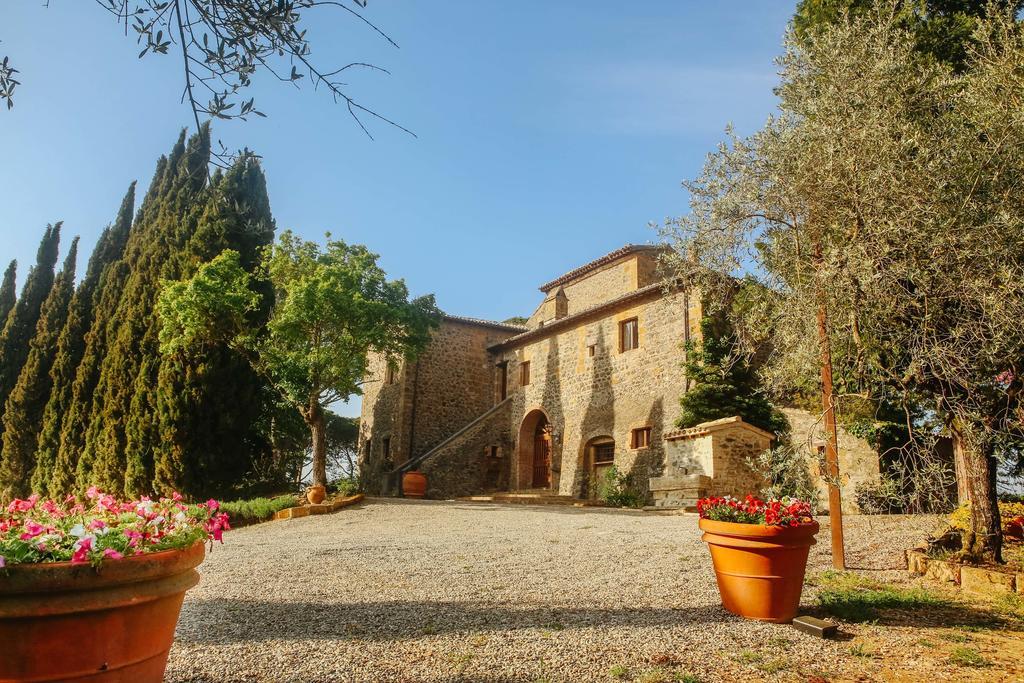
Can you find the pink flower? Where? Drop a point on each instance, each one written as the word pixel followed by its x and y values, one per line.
pixel 92 492
pixel 112 554
pixel 82 548
pixel 97 524
pixel 3 562
pixel 212 505
pixel 32 529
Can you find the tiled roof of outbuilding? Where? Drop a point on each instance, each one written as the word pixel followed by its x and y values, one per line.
pixel 484 323
pixel 597 263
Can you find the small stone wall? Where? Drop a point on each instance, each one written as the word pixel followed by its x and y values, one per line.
pixel 710 459
pixel 986 583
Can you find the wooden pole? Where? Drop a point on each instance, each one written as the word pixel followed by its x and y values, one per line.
pixel 835 500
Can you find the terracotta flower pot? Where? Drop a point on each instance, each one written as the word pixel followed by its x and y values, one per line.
pixel 316 494
pixel 69 622
pixel 759 568
pixel 414 484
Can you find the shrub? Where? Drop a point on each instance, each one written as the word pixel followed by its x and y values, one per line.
pixel 620 490
pixel 785 470
pixel 257 510
pixel 1011 514
pixel 345 486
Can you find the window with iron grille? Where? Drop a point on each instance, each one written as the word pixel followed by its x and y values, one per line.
pixel 604 453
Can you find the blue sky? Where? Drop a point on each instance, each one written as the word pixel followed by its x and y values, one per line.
pixel 548 133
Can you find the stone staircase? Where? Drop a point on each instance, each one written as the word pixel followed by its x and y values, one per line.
pixel 530 497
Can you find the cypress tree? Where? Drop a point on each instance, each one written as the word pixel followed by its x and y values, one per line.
pixel 123 398
pixel 71 347
pixel 208 405
pixel 24 408
pixel 74 463
pixel 23 318
pixel 7 295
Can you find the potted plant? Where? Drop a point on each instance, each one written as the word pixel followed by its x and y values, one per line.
pixel 759 550
pixel 92 590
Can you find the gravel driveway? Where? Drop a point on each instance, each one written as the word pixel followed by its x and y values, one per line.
pixel 396 590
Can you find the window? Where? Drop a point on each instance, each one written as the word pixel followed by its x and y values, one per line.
pixel 389 374
pixel 629 335
pixel 502 381
pixel 604 453
pixel 494 451
pixel 524 373
pixel 366 448
pixel 640 438
pixel 387 446
pixel 592 349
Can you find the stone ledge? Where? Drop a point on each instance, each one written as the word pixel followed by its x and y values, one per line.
pixel 977 581
pixel 318 509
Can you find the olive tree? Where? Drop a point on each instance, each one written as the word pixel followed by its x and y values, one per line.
pixel 333 305
pixel 886 193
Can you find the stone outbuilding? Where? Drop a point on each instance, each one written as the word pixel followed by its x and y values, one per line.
pixel 591 380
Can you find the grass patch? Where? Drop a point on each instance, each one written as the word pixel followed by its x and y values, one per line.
pixel 968 657
pixel 853 598
pixel 254 510
pixel 619 672
pixel 748 657
pixel 773 666
pixel 863 650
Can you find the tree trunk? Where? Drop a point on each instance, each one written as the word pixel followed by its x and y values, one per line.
pixel 314 417
pixel 963 494
pixel 984 540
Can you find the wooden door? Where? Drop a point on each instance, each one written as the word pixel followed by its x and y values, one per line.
pixel 542 457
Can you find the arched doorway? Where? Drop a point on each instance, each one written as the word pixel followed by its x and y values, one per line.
pixel 535 451
pixel 598 459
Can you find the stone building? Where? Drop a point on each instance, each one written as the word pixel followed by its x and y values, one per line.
pixel 591 380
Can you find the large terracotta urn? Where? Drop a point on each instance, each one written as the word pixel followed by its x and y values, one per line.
pixel 759 568
pixel 414 484
pixel 316 494
pixel 73 622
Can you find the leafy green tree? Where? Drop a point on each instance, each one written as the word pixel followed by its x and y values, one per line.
pixel 208 402
pixel 21 323
pixel 8 297
pixel 24 410
pixel 942 29
pixel 71 348
pixel 332 306
pixel 723 383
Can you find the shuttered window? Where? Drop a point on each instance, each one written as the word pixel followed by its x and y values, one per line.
pixel 641 438
pixel 524 373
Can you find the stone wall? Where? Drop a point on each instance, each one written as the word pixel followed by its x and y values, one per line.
pixel 448 385
pixel 588 394
pixel 858 461
pixel 474 460
pixel 710 459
